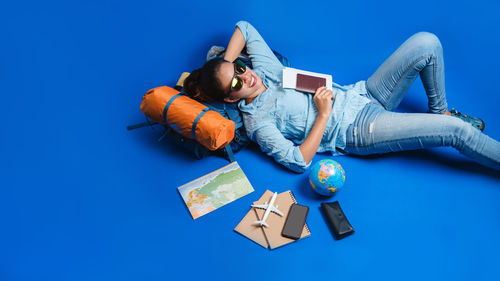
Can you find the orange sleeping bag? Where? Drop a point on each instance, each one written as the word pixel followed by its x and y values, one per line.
pixel 188 117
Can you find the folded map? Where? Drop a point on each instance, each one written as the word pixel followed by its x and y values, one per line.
pixel 215 190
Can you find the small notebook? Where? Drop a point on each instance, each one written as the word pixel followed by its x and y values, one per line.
pixel 269 237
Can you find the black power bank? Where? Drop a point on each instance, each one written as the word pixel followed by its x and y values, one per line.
pixel 295 221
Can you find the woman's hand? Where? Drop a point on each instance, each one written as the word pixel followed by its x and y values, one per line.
pixel 323 101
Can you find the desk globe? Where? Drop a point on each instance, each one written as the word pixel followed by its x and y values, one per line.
pixel 326 177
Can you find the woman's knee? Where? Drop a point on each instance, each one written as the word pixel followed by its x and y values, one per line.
pixel 460 131
pixel 426 41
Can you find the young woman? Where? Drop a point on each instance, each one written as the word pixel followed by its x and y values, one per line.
pixel 292 126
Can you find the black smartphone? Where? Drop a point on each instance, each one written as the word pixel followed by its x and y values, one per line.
pixel 295 221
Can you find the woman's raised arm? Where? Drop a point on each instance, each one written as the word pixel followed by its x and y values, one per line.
pixel 235 46
pixel 246 36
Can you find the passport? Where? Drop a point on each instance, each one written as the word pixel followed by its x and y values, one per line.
pixel 305 81
pixel 308 83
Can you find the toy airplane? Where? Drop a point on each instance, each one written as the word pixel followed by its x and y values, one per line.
pixel 269 207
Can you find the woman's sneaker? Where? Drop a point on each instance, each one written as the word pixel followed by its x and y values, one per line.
pixel 475 122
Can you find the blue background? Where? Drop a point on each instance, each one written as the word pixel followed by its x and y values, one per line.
pixel 84 199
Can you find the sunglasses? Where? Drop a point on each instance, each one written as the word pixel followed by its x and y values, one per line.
pixel 237 82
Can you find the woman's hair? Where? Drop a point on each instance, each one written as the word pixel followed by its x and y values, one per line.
pixel 203 84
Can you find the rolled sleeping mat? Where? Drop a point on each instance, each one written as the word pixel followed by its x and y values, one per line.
pixel 188 117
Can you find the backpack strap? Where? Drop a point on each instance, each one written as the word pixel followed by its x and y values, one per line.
pixel 229 152
pixel 193 129
pixel 141 125
pixel 167 106
pixel 197 151
pixel 165 133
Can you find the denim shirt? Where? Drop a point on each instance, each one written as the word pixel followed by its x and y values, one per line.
pixel 279 120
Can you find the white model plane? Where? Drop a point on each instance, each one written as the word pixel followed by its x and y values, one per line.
pixel 269 207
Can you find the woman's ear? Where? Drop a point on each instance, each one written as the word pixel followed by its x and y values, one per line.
pixel 231 100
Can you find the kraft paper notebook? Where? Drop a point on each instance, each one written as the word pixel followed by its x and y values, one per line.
pixel 269 237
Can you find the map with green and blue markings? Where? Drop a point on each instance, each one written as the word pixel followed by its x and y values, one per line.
pixel 215 190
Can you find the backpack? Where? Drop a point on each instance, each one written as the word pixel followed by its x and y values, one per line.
pixel 227 110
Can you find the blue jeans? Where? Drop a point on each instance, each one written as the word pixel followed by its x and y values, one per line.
pixel 379 130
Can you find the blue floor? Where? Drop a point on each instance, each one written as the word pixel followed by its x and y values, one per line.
pixel 82 198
